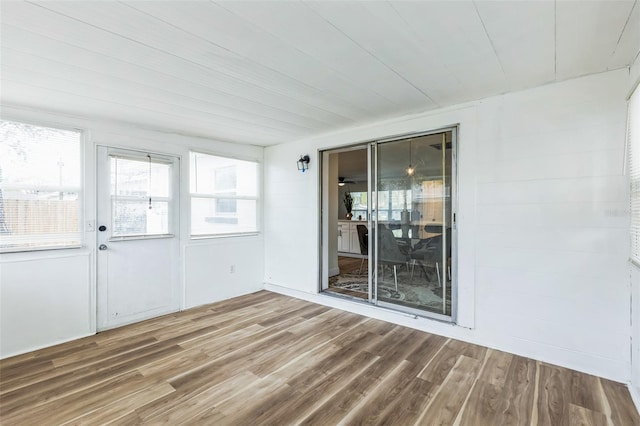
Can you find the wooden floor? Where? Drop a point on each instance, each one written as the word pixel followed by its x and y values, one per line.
pixel 270 359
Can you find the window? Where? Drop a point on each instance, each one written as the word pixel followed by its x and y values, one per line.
pixel 140 196
pixel 359 205
pixel 400 201
pixel 40 187
pixel 224 195
pixel 226 179
pixel 633 140
pixel 392 203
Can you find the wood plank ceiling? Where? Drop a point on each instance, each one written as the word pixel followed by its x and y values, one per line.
pixel 270 72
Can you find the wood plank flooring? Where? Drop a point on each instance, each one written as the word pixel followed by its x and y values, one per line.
pixel 269 359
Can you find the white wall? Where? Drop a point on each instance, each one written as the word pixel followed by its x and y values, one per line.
pixel 543 222
pixel 48 297
pixel 208 269
pixel 44 300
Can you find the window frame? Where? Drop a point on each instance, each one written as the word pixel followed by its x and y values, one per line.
pixel 256 198
pixel 81 189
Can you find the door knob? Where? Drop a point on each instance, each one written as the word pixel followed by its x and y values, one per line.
pixel 102 228
pixel 102 247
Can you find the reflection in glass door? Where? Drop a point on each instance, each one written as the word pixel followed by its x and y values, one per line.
pixel 413 221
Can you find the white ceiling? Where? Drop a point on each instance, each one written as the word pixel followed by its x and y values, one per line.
pixel 270 72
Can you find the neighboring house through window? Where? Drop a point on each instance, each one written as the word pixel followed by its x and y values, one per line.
pixel 224 195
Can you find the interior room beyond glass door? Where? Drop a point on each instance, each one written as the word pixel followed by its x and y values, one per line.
pixel 414 224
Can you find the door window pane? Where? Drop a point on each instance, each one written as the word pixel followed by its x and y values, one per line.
pixel 135 218
pixel 140 197
pixel 139 178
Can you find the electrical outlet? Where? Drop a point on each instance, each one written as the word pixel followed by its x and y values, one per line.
pixel 232 269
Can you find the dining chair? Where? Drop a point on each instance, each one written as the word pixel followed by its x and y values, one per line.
pixel 390 253
pixel 363 239
pixel 429 253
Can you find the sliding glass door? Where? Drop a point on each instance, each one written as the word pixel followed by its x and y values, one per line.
pixel 394 244
pixel 413 219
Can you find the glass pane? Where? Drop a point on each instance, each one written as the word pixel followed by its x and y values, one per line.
pixel 139 178
pixel 210 216
pixel 139 193
pixel 213 175
pixel 40 172
pixel 226 179
pixel 359 200
pixel 39 156
pixel 414 223
pixel 137 217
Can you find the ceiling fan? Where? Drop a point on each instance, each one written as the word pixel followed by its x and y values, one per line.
pixel 342 181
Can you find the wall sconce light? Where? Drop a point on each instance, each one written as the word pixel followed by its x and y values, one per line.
pixel 303 163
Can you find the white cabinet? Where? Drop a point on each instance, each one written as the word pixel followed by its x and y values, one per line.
pixel 354 246
pixel 343 237
pixel 348 241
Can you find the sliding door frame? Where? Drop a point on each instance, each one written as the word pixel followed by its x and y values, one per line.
pixel 454 232
pixel 323 271
pixel 372 222
pixel 372 254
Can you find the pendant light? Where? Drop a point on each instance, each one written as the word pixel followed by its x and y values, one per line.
pixel 410 170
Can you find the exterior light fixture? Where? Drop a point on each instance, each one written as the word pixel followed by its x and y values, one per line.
pixel 303 163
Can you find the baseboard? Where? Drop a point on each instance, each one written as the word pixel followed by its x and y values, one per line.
pixel 136 320
pixel 48 345
pixel 363 308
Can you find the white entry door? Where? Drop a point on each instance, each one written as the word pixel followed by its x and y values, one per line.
pixel 137 236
